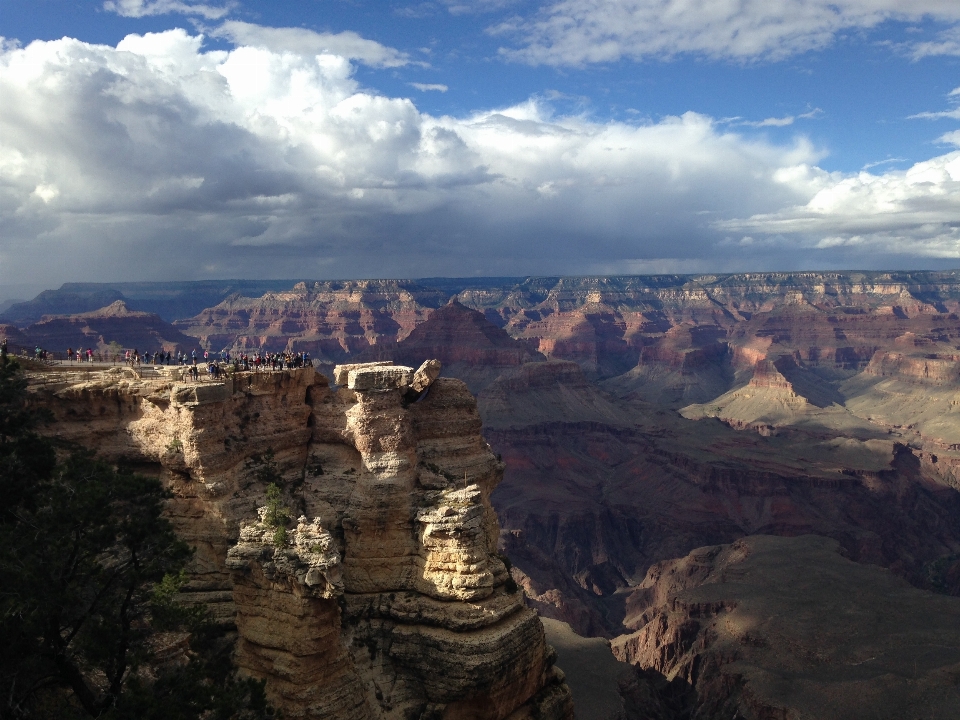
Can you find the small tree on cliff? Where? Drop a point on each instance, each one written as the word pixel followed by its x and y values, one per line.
pixel 25 457
pixel 87 563
pixel 265 470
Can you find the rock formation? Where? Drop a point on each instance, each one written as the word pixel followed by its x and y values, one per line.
pixel 470 347
pixel 169 300
pixel 597 489
pixel 331 320
pixel 638 418
pixel 388 599
pixel 787 628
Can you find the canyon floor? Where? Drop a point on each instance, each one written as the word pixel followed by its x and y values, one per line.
pixel 746 485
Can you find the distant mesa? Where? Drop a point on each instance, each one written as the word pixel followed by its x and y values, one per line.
pixel 114 325
pixel 115 309
pixel 333 321
pixel 169 300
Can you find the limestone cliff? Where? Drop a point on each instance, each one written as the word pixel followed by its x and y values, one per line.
pixel 388 599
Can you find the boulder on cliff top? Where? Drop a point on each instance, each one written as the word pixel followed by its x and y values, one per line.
pixel 468 345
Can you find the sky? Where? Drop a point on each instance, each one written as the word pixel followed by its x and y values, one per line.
pixel 181 140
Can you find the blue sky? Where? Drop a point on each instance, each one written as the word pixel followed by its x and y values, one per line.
pixel 170 139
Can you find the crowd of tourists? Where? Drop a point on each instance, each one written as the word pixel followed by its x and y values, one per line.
pixel 219 364
pixel 215 364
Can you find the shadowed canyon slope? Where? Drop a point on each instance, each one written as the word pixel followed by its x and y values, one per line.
pixel 641 418
pixel 787 628
pixel 97 329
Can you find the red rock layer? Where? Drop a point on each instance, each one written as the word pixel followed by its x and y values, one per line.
pixel 466 343
pixel 609 325
pixel 331 320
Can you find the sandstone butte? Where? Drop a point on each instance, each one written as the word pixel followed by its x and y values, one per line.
pixel 390 599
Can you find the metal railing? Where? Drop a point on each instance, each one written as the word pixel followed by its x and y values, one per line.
pixel 78 357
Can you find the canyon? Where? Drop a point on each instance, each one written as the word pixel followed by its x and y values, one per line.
pixel 636 421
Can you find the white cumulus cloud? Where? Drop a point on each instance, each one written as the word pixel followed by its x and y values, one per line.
pixel 912 212
pixel 158 159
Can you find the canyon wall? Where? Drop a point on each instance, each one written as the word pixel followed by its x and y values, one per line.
pixel 786 628
pixel 389 598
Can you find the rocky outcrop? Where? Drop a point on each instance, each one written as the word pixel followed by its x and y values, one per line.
pixel 928 368
pixel 289 621
pixel 465 341
pixel 787 628
pixel 388 599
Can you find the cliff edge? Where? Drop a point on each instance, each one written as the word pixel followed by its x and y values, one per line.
pixel 387 599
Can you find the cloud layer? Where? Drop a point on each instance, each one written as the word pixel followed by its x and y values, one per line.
pixel 914 212
pixel 156 159
pixel 146 8
pixel 577 32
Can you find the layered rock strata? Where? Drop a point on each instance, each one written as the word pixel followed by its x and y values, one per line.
pixel 391 600
pixel 772 627
pixel 470 347
pixel 330 320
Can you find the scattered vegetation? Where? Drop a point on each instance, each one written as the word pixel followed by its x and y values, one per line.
pixel 89 577
pixel 265 470
pixel 277 515
pixel 942 575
